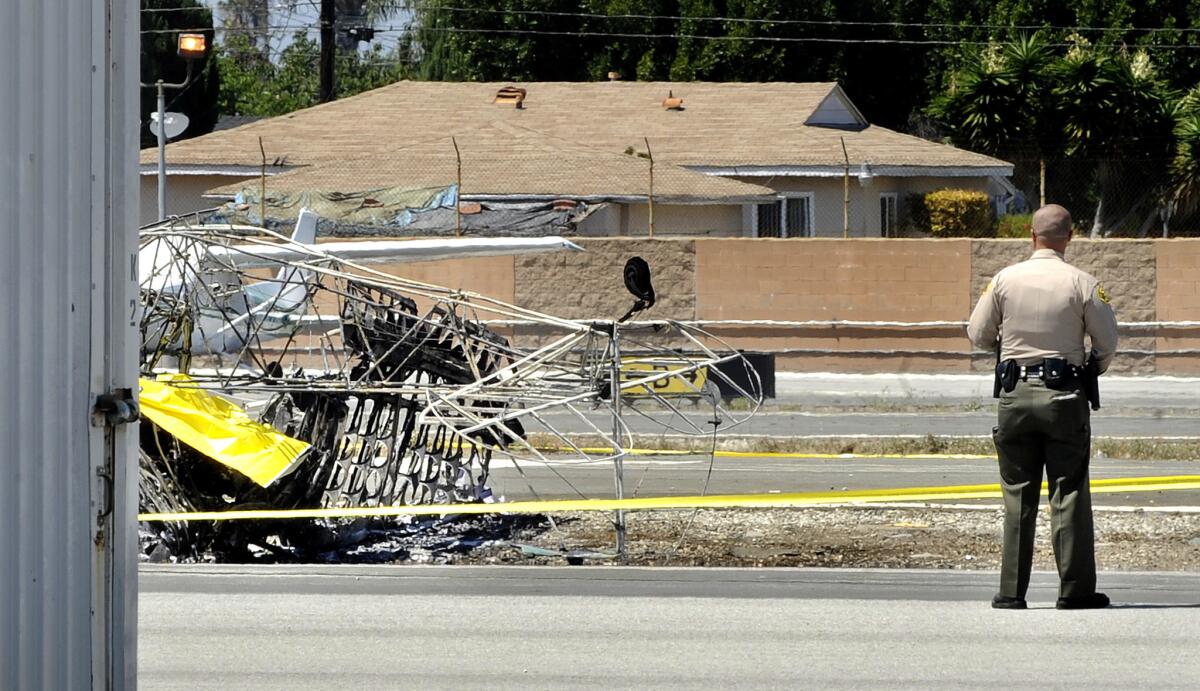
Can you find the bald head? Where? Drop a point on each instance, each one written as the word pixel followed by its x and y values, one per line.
pixel 1052 227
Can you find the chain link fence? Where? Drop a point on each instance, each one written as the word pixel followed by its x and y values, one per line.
pixel 496 183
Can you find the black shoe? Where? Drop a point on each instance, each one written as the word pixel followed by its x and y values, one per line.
pixel 1005 602
pixel 1093 601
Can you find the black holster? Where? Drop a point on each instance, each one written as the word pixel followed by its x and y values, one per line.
pixel 1007 373
pixel 1091 381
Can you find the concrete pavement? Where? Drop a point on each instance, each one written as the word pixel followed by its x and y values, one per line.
pixel 605 627
pixel 835 389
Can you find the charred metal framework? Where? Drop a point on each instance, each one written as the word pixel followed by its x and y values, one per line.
pixel 402 388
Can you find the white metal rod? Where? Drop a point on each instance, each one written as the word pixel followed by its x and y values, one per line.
pixel 162 151
pixel 618 451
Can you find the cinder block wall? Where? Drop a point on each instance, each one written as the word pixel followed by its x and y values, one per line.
pixel 1126 268
pixel 591 284
pixel 828 279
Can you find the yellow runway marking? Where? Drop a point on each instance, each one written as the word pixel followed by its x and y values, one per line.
pixel 727 501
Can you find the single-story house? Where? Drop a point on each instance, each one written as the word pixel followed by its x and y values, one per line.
pixel 777 156
pixel 511 168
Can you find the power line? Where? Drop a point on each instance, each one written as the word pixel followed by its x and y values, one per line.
pixel 817 22
pixel 765 39
pixel 676 36
pixel 765 22
pixel 161 10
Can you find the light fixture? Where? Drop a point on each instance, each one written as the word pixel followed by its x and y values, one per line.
pixel 865 175
pixel 192 46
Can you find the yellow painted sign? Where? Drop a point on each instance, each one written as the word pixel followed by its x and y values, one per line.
pixel 688 383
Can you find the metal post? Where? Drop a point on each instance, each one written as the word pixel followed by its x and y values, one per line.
pixel 162 151
pixel 618 452
pixel 160 87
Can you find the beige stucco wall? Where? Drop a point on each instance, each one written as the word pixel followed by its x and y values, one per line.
pixel 693 220
pixel 711 220
pixel 184 194
pixel 864 218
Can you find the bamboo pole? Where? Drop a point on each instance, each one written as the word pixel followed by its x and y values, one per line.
pixel 650 198
pixel 845 191
pixel 457 189
pixel 262 185
pixel 1041 183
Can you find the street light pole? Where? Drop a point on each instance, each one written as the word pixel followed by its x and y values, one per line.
pixel 189 47
pixel 162 149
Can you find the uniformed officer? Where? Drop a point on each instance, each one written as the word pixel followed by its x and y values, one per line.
pixel 1040 309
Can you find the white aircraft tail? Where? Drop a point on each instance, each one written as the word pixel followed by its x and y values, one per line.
pixel 306 227
pixel 291 283
pixel 289 279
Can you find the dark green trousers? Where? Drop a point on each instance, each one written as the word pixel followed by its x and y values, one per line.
pixel 1043 428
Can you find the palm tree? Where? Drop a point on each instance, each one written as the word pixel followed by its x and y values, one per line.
pixel 1117 121
pixel 998 104
pixel 1184 195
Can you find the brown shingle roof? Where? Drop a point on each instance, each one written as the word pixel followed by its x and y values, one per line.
pixel 511 161
pixel 721 124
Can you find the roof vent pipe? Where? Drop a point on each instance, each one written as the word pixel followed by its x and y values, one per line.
pixel 510 94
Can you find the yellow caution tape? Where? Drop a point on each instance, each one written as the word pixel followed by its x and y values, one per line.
pixel 219 429
pixel 726 501
pixel 779 454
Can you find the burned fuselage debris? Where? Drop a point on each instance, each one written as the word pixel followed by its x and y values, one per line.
pixel 310 381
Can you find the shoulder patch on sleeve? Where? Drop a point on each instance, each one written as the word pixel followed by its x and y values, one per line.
pixel 988 288
pixel 1102 294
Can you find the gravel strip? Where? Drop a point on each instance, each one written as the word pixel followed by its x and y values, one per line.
pixel 944 538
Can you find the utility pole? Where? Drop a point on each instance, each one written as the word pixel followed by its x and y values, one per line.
pixel 328 50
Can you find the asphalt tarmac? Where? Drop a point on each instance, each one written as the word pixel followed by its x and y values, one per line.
pixel 685 475
pixel 312 627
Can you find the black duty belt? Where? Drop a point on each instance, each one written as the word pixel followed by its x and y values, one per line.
pixel 1056 373
pixel 1045 370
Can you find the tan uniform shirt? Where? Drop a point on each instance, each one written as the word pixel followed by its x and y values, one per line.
pixel 1042 308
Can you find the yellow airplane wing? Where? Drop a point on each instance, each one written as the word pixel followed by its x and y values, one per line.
pixel 220 430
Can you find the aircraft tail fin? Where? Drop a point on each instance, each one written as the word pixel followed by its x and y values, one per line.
pixel 306 227
pixel 291 281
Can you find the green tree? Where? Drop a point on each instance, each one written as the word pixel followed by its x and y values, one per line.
pixel 1117 118
pixel 1184 195
pixel 1104 114
pixel 162 21
pixel 255 85
pixel 683 40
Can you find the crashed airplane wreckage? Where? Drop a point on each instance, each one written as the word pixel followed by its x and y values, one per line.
pixel 282 374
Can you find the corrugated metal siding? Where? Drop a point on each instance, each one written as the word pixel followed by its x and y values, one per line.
pixel 64 146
